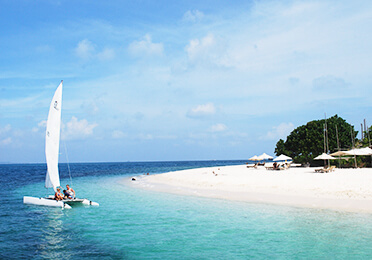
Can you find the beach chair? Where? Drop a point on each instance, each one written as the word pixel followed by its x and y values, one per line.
pixel 320 170
pixel 331 169
pixel 285 166
pixel 326 170
pixel 269 166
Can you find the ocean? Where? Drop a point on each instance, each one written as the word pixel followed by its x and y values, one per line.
pixel 132 223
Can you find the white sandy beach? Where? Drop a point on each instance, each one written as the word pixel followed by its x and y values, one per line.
pixel 343 189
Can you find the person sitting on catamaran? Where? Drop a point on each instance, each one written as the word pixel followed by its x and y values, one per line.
pixel 70 191
pixel 58 195
pixel 67 194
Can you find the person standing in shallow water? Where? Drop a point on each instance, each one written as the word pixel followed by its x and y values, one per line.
pixel 70 191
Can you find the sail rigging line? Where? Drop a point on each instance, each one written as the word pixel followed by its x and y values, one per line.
pixel 68 163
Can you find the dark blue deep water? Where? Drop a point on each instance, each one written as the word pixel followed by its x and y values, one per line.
pixel 132 223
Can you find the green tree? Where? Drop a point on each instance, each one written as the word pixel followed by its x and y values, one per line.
pixel 280 147
pixel 364 161
pixel 307 141
pixel 367 137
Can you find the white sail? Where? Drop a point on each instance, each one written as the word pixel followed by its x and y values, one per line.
pixel 52 139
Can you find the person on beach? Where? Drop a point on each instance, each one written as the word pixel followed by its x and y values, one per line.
pixel 275 165
pixel 58 195
pixel 70 191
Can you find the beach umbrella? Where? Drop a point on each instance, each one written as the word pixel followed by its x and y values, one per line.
pixel 354 152
pixel 283 157
pixel 340 153
pixel 324 156
pixel 264 156
pixel 254 158
pixel 367 151
pixel 360 151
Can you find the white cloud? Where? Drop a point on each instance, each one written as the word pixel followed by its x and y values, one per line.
pixel 218 128
pixel 20 102
pixel 279 132
pixel 85 49
pixel 40 126
pixel 91 107
pixel 76 129
pixel 299 9
pixel 42 123
pixel 200 48
pixel 142 136
pixel 202 110
pixel 146 47
pixel 293 37
pixel 5 129
pixel 193 16
pixel 167 137
pixel 117 134
pixel 6 141
pixel 329 83
pixel 106 54
pixel 210 50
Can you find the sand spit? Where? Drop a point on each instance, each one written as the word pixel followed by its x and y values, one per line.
pixel 343 189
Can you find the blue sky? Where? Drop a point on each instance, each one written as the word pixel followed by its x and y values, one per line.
pixel 178 80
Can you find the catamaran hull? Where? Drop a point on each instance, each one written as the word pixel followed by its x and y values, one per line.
pixel 74 202
pixel 60 204
pixel 45 202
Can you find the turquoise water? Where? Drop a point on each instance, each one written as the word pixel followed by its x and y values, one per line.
pixel 132 223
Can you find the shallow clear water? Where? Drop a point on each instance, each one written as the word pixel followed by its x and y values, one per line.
pixel 132 223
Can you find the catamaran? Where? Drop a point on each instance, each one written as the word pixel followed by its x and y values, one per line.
pixel 52 137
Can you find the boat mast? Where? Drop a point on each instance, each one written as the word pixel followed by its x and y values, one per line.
pixel 326 148
pixel 353 144
pixel 369 139
pixel 338 148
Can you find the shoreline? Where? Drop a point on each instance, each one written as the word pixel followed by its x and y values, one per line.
pixel 344 189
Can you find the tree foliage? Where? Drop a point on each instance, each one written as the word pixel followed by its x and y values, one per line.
pixel 367 135
pixel 307 141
